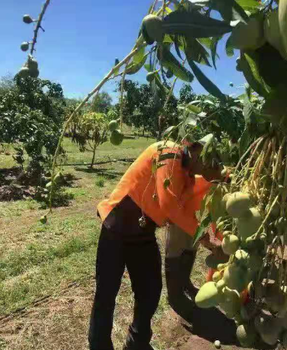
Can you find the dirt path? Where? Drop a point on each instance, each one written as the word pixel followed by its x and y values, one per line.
pixel 61 323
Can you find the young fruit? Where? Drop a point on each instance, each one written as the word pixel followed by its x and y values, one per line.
pixel 116 137
pixel 230 302
pixel 248 36
pixel 230 244
pixel 113 125
pixel 272 32
pixel 32 63
pixel 27 19
pixel 25 46
pixel 249 224
pixel 24 72
pixel 152 29
pixel 246 335
pixel 151 76
pixel 207 296
pixel 34 73
pixel 216 276
pixel 237 204
pixel 236 277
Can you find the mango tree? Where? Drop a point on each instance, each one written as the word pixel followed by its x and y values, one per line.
pixel 92 131
pixel 175 38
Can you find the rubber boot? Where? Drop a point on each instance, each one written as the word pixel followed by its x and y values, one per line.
pixel 177 274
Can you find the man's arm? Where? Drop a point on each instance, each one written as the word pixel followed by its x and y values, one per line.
pixel 179 197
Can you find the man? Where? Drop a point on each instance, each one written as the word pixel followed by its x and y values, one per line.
pixel 159 187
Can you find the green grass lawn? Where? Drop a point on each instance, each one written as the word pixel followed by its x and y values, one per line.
pixel 39 260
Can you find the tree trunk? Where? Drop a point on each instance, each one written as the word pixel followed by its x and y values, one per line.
pixel 94 155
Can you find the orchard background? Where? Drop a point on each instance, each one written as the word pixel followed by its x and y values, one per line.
pixel 191 68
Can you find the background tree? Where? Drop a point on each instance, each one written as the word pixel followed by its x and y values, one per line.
pixel 92 131
pixel 101 103
pixel 31 119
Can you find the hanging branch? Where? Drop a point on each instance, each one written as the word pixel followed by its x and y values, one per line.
pixel 38 26
pixel 122 96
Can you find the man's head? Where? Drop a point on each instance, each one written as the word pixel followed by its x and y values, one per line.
pixel 210 170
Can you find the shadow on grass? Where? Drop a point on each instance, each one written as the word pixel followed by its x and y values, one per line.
pixel 124 160
pixel 108 174
pixel 16 185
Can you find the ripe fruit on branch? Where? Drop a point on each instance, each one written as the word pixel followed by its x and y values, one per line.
pixel 113 125
pixel 272 32
pixel 27 19
pixel 25 46
pixel 152 29
pixel 237 204
pixel 248 36
pixel 116 137
pixel 207 296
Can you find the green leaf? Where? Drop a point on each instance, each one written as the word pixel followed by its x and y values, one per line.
pixel 166 156
pixel 252 75
pixel 230 10
pixel 247 110
pixel 192 108
pixel 249 5
pixel 206 83
pixel 201 230
pixel 244 142
pixel 213 49
pixel 195 51
pixel 194 25
pixel 133 67
pixel 139 56
pixel 169 131
pixel 229 48
pixel 176 45
pixel 168 60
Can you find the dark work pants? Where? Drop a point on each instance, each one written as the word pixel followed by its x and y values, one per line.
pixel 143 262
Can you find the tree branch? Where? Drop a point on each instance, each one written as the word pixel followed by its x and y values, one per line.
pixel 38 26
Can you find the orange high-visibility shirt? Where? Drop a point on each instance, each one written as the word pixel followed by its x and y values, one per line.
pixel 166 193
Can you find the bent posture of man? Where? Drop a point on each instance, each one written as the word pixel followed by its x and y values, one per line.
pixel 159 187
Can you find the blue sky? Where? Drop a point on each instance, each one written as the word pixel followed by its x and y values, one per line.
pixel 82 40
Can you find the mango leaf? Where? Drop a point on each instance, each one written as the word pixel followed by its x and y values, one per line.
pixel 168 60
pixel 195 51
pixel 201 229
pixel 247 110
pixel 194 25
pixel 252 75
pixel 213 49
pixel 176 45
pixel 166 156
pixel 134 67
pixel 249 5
pixel 206 83
pixel 207 42
pixel 229 48
pixel 230 10
pixel 244 142
pixel 139 56
pixel 191 107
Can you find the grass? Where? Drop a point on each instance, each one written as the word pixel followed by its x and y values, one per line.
pixel 39 260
